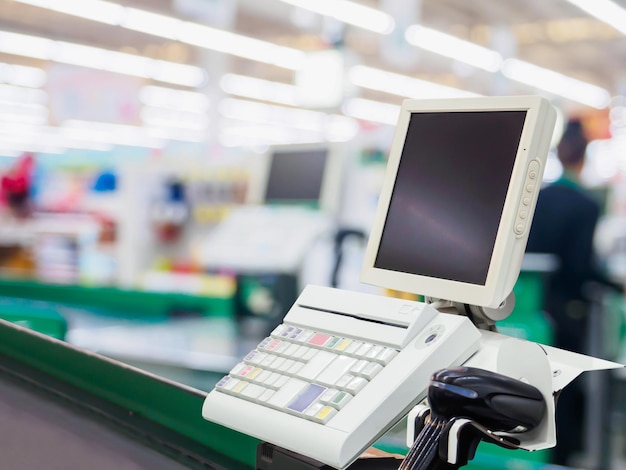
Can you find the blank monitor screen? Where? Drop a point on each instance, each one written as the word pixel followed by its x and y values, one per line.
pixel 296 176
pixel 449 194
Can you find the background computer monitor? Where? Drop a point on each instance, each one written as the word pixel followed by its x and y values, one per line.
pixel 306 175
pixel 458 197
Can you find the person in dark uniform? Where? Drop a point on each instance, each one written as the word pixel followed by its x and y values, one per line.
pixel 564 224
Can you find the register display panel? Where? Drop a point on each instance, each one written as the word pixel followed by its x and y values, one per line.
pixel 458 197
pixel 296 175
pixel 441 187
pixel 301 175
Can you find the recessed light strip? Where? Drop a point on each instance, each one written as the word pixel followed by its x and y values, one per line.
pixel 176 29
pixel 259 89
pixel 453 47
pixel 402 85
pixel 556 83
pixel 373 111
pixel 101 59
pixel 604 10
pixel 21 75
pixel 349 12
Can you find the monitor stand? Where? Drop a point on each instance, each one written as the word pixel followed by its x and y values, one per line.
pixel 483 318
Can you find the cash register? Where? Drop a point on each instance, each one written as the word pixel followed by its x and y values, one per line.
pixel 453 217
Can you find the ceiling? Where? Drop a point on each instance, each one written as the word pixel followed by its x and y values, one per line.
pixel 549 33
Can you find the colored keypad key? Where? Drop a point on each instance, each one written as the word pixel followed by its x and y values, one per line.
pixel 311 374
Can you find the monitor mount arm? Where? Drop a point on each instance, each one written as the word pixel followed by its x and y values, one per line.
pixel 484 318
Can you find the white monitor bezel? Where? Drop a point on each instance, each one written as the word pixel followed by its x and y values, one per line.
pixel 509 247
pixel 330 190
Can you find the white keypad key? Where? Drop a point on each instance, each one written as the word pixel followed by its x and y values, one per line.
pixel 267 361
pixel 280 381
pixel 312 410
pixel 373 353
pixel 310 354
pixel 371 370
pixel 263 376
pixel 271 379
pixel 238 367
pixel 282 347
pixel 291 349
pixel 304 336
pixel 316 365
pixel 287 392
pixel 266 395
pixel 295 368
pixel 386 356
pixel 258 358
pixel 353 347
pixel 329 395
pixel 284 367
pixel 340 366
pixel 363 349
pixel 300 352
pixel 356 385
pixel 276 363
pixel 253 391
pixel 359 365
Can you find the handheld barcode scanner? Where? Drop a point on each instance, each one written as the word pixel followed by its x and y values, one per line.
pixel 468 405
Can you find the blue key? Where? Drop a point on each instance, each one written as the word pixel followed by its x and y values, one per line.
pixel 306 398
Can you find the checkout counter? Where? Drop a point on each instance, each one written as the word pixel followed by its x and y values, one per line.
pixel 126 390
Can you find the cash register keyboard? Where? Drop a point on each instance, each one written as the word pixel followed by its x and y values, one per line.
pixel 305 372
pixel 339 371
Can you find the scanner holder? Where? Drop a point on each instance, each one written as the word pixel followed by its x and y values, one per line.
pixel 460 438
pixel 483 317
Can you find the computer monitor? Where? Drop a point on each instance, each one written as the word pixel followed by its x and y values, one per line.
pixel 299 175
pixel 458 197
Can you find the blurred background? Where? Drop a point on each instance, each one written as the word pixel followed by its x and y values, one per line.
pixel 173 172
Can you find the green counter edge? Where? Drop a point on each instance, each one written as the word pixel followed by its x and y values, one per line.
pixel 172 405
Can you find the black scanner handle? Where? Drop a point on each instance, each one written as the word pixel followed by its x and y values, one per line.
pixel 479 403
pixel 496 401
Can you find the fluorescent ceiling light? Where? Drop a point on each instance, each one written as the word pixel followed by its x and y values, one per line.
pixel 331 126
pixel 38 111
pixel 242 46
pixel 373 111
pixel 556 83
pixel 252 111
pixel 101 59
pixel 22 75
pixel 182 135
pixel 152 23
pixel 44 137
pixel 33 119
pixel 173 28
pixel 177 74
pixel 352 13
pixel 18 94
pixel 604 10
pixel 402 85
pixel 26 46
pixel 265 134
pixel 170 98
pixel 259 89
pixel 160 117
pixel 453 47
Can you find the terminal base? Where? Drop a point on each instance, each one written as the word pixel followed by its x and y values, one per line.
pixel 271 457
